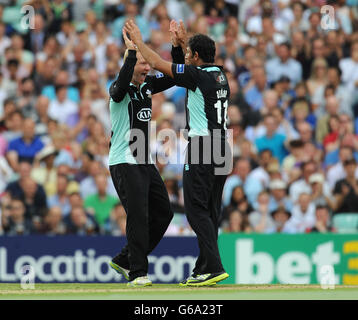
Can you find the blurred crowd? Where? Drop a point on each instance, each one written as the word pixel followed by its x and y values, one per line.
pixel 292 113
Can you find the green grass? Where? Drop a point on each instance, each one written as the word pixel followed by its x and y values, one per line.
pixel 119 291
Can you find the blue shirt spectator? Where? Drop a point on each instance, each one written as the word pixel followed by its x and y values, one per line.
pixel 284 65
pixel 25 147
pixel 272 140
pixel 72 93
pixel 252 187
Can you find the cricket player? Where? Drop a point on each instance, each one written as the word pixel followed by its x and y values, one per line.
pixel 206 110
pixel 135 177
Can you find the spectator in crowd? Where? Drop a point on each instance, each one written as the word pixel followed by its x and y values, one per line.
pixel 349 67
pixel 305 130
pixel 281 218
pixel 318 196
pixel 344 95
pixel 88 184
pixel 292 162
pixel 28 191
pixel 346 189
pixel 331 108
pixel 101 203
pixel 337 172
pixel 61 79
pixel 318 75
pixel 303 185
pixel 323 220
pixel 240 176
pixel 260 219
pixel 239 202
pixel 278 196
pixel 26 147
pixel 17 223
pixel 34 198
pixel 284 65
pixel 254 90
pixel 272 140
pixel 260 173
pixel 53 223
pixel 303 214
pixel 26 98
pixel 80 223
pixel 45 173
pixel 116 225
pixel 238 222
pixel 61 107
pixel 60 198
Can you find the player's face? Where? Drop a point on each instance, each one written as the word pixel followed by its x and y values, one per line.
pixel 189 57
pixel 141 70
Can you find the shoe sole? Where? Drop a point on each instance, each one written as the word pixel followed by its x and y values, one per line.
pixel 118 269
pixel 183 284
pixel 132 285
pixel 210 282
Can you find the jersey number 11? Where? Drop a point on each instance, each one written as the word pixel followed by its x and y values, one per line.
pixel 218 106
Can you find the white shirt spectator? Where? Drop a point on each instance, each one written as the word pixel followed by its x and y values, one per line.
pixel 301 186
pixel 292 69
pixel 349 69
pixel 261 175
pixel 343 94
pixel 336 173
pixel 300 221
pixel 60 111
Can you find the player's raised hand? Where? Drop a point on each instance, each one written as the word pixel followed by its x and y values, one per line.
pixel 173 30
pixel 129 43
pixel 181 34
pixel 133 31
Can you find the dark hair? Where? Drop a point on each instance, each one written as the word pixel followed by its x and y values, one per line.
pixel 13 62
pixel 59 87
pixel 204 46
pixel 286 44
pixel 264 151
pixel 322 206
pixel 296 143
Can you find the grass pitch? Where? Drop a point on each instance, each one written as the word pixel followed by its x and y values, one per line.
pixel 119 291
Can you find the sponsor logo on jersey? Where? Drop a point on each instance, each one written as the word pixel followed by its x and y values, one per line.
pixel 145 114
pixel 159 75
pixel 220 78
pixel 180 68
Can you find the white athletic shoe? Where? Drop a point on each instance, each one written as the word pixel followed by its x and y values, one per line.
pixel 140 282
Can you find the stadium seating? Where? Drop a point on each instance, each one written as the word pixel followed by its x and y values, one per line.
pixel 346 222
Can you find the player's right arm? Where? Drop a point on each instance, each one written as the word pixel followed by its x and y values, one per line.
pixel 119 87
pixel 153 58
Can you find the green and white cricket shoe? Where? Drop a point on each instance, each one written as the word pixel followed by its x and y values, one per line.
pixel 207 279
pixel 140 282
pixel 119 269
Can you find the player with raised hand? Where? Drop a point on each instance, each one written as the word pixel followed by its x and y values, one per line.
pixel 134 175
pixel 206 114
